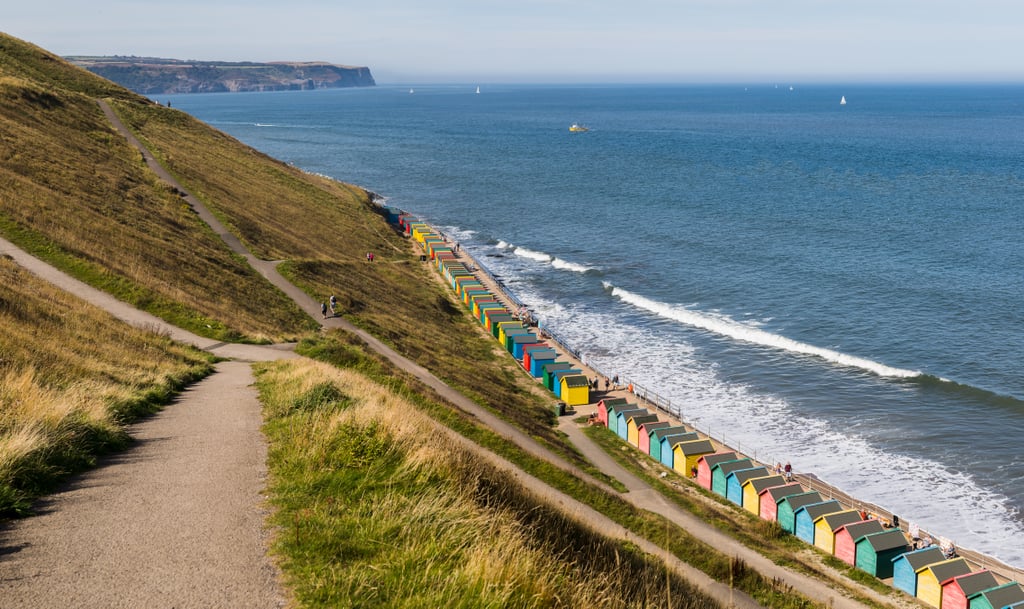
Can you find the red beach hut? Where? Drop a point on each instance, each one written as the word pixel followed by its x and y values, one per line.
pixel 956 590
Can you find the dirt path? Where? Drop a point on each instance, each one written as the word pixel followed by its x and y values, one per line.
pixel 177 521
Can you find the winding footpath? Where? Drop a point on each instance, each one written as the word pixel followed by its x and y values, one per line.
pixel 178 520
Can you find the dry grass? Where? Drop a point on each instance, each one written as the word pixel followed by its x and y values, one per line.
pixel 378 509
pixel 70 375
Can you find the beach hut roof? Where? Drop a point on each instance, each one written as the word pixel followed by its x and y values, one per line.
pixel 650 426
pixel 763 482
pixel 948 568
pixel 778 492
pixel 553 366
pixel 625 414
pixel 608 402
pixel 856 530
pixel 714 459
pixel 664 432
pixel 679 437
pixel 919 559
pixel 640 419
pixel 886 540
pixel 742 475
pixel 695 447
pixel 727 467
pixel 1007 594
pixel 834 520
pixel 575 380
pixel 972 583
pixel 800 499
pixel 814 510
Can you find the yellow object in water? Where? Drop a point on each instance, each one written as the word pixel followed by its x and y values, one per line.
pixel 577 128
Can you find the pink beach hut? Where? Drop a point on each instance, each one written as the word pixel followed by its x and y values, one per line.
pixel 956 590
pixel 770 497
pixel 707 462
pixel 644 440
pixel 847 536
pixel 604 405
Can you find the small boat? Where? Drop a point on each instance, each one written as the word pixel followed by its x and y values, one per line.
pixel 411 91
pixel 578 128
pixel 842 102
pixel 478 90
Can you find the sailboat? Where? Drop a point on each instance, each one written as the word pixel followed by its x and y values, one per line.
pixel 478 90
pixel 411 91
pixel 842 102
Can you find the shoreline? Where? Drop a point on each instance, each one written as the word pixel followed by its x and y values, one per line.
pixel 647 398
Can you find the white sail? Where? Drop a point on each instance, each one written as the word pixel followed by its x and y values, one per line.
pixel 842 102
pixel 478 90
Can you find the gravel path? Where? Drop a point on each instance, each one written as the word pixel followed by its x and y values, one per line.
pixel 177 521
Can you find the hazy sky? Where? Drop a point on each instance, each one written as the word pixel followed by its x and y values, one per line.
pixel 555 40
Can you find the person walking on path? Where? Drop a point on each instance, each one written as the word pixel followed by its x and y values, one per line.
pixel 334 305
pixel 323 309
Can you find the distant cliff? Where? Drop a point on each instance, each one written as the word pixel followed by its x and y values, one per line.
pixel 151 75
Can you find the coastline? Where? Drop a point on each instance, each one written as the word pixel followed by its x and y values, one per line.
pixel 648 398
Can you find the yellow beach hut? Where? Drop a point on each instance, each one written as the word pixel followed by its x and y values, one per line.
pixel 825 528
pixel 686 454
pixel 752 491
pixel 930 578
pixel 633 427
pixel 575 389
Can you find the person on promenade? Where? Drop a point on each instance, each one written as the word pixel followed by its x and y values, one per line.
pixel 778 468
pixel 789 472
pixel 323 309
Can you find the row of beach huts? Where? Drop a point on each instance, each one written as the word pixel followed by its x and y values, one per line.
pixel 517 336
pixel 865 543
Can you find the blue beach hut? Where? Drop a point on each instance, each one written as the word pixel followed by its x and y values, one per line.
pixel 735 479
pixel 621 420
pixel 906 565
pixel 666 455
pixel 804 517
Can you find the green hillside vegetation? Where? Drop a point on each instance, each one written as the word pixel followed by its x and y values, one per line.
pixel 74 193
pixel 70 377
pixel 369 492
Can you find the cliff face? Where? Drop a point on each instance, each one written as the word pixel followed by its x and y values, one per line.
pixel 150 76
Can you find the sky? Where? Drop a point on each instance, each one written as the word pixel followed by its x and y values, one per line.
pixel 542 41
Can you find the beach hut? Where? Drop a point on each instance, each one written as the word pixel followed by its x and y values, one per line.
pixel 720 472
pixel 519 344
pixel 633 427
pixel 558 375
pixel 497 317
pixel 705 463
pixel 752 491
pixel 847 536
pixel 656 437
pixel 644 434
pixel 604 405
pixel 769 499
pixel 685 455
pixel 874 552
pixel 906 566
pixel 539 359
pixel 957 590
pixel 734 481
pixel 668 443
pixel 785 510
pixel 513 333
pixel 825 528
pixel 549 371
pixel 508 328
pixel 622 418
pixel 618 416
pixel 1006 595
pixel 804 517
pixel 930 578
pixel 575 390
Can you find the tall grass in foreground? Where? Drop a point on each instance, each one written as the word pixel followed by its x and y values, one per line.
pixel 70 376
pixel 376 508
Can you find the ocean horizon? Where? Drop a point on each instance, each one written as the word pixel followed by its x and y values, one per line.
pixel 833 285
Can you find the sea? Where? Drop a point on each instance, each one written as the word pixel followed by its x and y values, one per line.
pixel 834 285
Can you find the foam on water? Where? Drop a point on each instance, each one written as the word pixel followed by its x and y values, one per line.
pixel 725 326
pixel 558 263
pixel 941 500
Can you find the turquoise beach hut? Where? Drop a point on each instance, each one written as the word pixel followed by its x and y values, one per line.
pixel 804 517
pixel 1005 595
pixel 721 471
pixel 787 507
pixel 735 479
pixel 874 552
pixel 906 565
pixel 656 436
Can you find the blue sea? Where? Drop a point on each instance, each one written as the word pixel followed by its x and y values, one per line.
pixel 838 286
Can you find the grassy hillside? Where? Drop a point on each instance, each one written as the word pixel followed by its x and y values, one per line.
pixel 70 377
pixel 75 193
